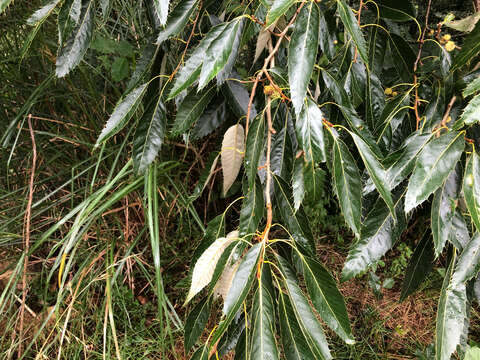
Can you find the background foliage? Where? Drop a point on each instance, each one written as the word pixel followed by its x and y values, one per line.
pixel 238 137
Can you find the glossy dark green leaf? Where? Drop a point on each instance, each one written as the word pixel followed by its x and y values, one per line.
pixel 314 180
pixel 376 171
pixel 252 210
pixel 295 344
pixel 227 70
pixel 310 326
pixel 309 129
pixel 353 29
pixel 451 315
pixel 149 136
pixel 403 57
pixel 396 10
pixel 205 176
pixel 472 87
pixel 239 289
pixel 73 50
pixel 391 109
pixel 264 345
pixel 374 100
pixel 326 36
pixel 190 71
pixel 161 8
pixel 143 65
pixel 347 182
pixel 177 19
pixel 278 8
pixel 296 221
pixel 435 162
pixel 68 18
pixel 471 113
pixel 200 354
pixel 214 116
pixel 254 148
pixel 195 323
pixel 326 298
pixel 302 52
pixel 281 154
pixel 470 49
pixel 420 265
pixel 218 52
pixel 238 97
pixel 443 210
pixel 459 235
pixel 378 234
pixel 191 109
pixel 468 262
pixel 122 113
pixel 377 48
pixel 471 188
pixel 435 108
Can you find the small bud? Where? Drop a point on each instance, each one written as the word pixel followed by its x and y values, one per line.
pixel 388 91
pixel 450 46
pixel 447 37
pixel 394 93
pixel 335 42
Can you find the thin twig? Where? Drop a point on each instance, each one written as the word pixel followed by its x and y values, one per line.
pixel 415 66
pixel 266 64
pixel 358 20
pixel 443 123
pixel 28 215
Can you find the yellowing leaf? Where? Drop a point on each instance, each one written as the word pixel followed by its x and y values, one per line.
pixel 233 149
pixel 206 263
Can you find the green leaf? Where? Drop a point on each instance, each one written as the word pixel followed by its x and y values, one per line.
pixel 190 71
pixel 278 8
pixel 471 113
pixel 161 8
pixel 281 154
pixel 200 354
pixel 473 353
pixel 420 265
pixel 147 57
pixel 252 211
pixel 378 234
pixel 309 129
pixel 403 57
pixel 120 69
pixel 432 167
pixel 310 326
pixel 4 4
pixel 195 323
pixel 374 100
pixel 376 171
pixel 177 20
pixel 227 70
pixel 347 182
pixel 451 315
pixel 353 29
pixel 472 87
pixel 238 97
pixel 296 221
pixel 149 136
pixel 122 113
pixel 214 116
pixel 443 210
pixel 459 235
pixel 41 14
pixel 191 109
pixel 468 263
pixel 471 188
pixel 294 343
pixel 68 17
pixel 218 52
pixel 470 49
pixel 239 289
pixel 396 10
pixel 255 145
pixel 264 345
pixel 302 52
pixel 326 298
pixel 72 52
